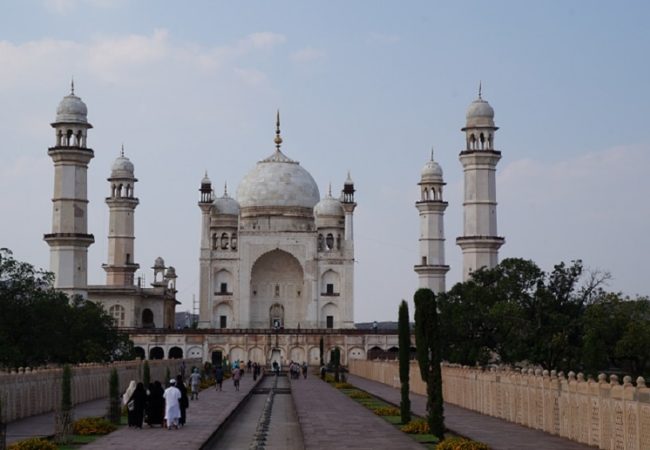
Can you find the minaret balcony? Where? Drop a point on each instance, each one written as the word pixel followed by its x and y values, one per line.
pixel 82 239
pixel 431 268
pixel 487 242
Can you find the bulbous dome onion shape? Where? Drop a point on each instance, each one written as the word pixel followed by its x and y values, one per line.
pixel 122 168
pixel 329 206
pixel 431 171
pixel 480 114
pixel 226 205
pixel 72 110
pixel 278 181
pixel 159 263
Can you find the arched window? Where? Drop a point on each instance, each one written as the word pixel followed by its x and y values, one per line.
pixel 321 243
pixel 329 241
pixel 147 318
pixel 118 314
pixel 215 241
pixel 338 241
pixel 233 241
pixel 224 241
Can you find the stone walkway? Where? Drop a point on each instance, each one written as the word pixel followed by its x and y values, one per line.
pixel 498 434
pixel 203 417
pixel 330 419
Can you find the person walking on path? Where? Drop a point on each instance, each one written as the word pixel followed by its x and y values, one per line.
pixel 195 380
pixel 136 406
pixel 126 401
pixel 172 406
pixel 218 375
pixel 183 402
pixel 304 370
pixel 236 376
pixel 155 404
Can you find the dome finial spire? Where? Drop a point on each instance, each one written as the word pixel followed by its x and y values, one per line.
pixel 432 153
pixel 278 138
pixel 72 85
pixel 480 89
pixel 329 190
pixel 225 189
pixel 122 151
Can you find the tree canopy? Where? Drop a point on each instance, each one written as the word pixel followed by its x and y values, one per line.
pixel 564 319
pixel 40 325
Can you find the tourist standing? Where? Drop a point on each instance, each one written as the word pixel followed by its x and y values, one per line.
pixel 218 375
pixel 236 376
pixel 183 402
pixel 172 406
pixel 304 370
pixel 136 406
pixel 195 380
pixel 155 404
pixel 126 401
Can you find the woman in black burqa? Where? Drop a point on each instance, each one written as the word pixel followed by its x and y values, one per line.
pixel 184 401
pixel 136 406
pixel 155 404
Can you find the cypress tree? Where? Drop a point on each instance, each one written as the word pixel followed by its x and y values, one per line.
pixel 114 410
pixel 427 342
pixel 64 418
pixel 404 334
pixel 336 361
pixel 321 347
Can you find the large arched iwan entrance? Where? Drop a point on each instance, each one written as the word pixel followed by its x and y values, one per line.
pixel 277 278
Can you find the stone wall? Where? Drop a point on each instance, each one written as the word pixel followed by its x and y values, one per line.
pixel 30 392
pixel 602 413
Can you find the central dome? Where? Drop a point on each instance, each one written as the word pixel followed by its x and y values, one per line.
pixel 278 181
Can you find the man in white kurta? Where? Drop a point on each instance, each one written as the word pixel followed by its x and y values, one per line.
pixel 172 396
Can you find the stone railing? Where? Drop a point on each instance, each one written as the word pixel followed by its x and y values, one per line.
pixel 602 413
pixel 30 392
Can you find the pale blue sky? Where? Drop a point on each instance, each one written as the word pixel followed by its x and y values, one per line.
pixel 365 86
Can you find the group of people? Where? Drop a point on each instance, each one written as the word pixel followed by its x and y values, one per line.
pixel 159 406
pixel 295 369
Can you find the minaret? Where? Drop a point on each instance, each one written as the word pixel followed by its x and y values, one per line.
pixel 69 239
pixel 205 296
pixel 480 242
pixel 348 203
pixel 432 268
pixel 121 231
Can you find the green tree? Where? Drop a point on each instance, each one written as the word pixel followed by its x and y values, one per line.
pixel 64 416
pixel 321 347
pixel 427 343
pixel 336 363
pixel 114 409
pixel 40 325
pixel 404 333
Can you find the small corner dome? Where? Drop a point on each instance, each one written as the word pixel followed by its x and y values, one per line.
pixel 122 167
pixel 159 263
pixel 329 206
pixel 480 114
pixel 431 171
pixel 278 181
pixel 226 205
pixel 205 180
pixel 171 272
pixel 72 110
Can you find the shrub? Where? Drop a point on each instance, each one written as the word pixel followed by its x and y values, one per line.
pixel 343 386
pixel 458 443
pixel 33 444
pixel 329 378
pixel 207 383
pixel 359 394
pixel 93 426
pixel 416 427
pixel 386 411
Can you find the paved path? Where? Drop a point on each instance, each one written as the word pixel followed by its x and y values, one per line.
pixel 203 418
pixel 497 433
pixel 331 420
